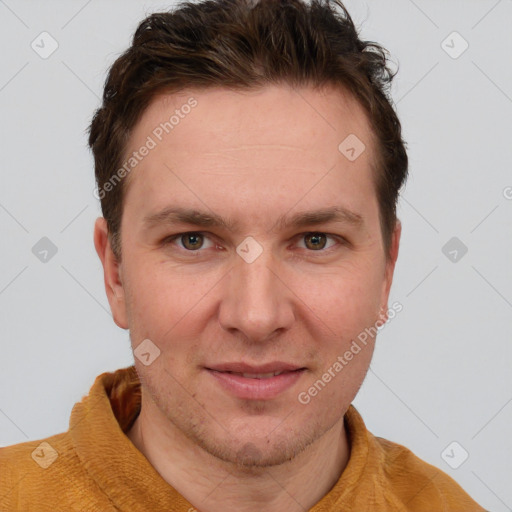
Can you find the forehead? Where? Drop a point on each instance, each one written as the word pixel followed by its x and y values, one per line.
pixel 276 136
pixel 206 118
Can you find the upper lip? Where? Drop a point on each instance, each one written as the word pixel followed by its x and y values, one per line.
pixel 276 366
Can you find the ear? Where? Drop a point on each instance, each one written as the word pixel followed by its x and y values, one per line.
pixel 390 269
pixel 111 273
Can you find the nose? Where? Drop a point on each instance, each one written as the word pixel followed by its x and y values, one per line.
pixel 257 300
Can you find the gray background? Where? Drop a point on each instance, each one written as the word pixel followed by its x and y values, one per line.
pixel 441 370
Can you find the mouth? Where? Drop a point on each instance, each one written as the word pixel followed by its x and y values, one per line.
pixel 273 367
pixel 256 383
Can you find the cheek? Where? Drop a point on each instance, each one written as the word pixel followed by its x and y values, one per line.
pixel 153 300
pixel 342 300
pixel 345 313
pixel 168 307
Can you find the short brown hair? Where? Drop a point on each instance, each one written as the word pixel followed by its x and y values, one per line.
pixel 247 44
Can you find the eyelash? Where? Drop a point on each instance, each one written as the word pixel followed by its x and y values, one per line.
pixel 341 241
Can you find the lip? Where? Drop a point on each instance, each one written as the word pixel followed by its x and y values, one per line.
pixel 248 388
pixel 275 366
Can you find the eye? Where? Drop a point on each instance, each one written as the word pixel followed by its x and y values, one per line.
pixel 316 241
pixel 191 241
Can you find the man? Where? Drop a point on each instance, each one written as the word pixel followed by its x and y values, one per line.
pixel 248 164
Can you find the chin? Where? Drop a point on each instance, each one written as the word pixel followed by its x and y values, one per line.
pixel 254 451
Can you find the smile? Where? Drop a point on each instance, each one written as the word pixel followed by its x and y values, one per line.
pixel 256 386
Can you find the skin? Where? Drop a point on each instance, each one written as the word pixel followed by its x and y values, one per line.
pixel 249 156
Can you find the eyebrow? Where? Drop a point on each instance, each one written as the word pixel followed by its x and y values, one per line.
pixel 199 218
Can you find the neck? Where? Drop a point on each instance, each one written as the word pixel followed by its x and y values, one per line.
pixel 214 485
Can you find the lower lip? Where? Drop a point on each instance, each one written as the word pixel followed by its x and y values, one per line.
pixel 256 389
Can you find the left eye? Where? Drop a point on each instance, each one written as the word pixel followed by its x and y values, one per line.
pixel 317 241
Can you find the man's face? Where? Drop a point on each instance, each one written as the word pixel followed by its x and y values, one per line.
pixel 251 158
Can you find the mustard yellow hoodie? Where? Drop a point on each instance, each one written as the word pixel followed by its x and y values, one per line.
pixel 94 467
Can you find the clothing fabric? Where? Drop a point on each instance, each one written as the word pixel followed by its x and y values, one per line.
pixel 94 467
